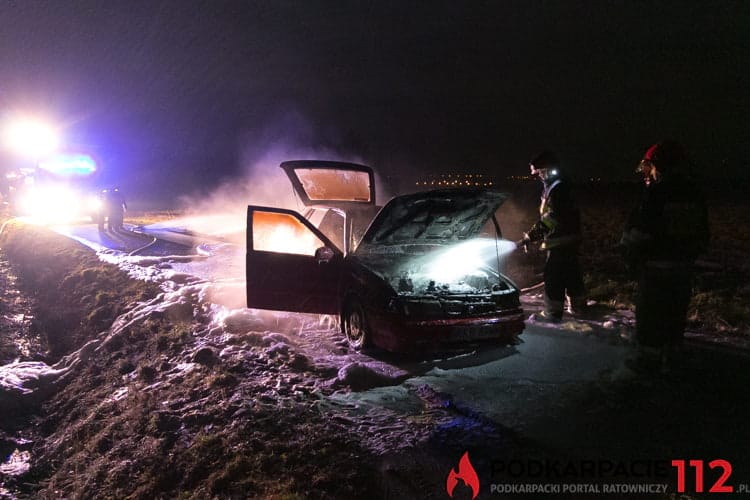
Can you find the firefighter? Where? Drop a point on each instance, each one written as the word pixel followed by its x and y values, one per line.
pixel 99 213
pixel 559 226
pixel 116 208
pixel 663 236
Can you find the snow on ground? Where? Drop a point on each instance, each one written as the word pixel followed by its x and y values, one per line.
pixel 392 404
pixel 205 285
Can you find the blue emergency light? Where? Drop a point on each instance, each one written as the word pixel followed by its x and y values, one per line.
pixel 69 165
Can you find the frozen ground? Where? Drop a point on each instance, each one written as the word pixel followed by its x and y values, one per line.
pixel 378 392
pixel 208 277
pixel 559 390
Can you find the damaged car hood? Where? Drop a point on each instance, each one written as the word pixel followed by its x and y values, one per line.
pixel 441 217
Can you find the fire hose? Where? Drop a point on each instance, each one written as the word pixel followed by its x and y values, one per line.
pixel 524 243
pixel 532 287
pixel 137 250
pixel 2 228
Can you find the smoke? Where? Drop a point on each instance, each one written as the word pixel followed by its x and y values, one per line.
pixel 223 211
pixel 515 217
pixel 260 180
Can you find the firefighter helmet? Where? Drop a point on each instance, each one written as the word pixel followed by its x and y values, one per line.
pixel 664 155
pixel 546 159
pixel 545 165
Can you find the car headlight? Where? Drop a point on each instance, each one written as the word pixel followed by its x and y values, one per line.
pixel 52 204
pixel 95 204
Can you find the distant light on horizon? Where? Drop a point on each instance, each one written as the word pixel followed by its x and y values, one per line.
pixel 456 180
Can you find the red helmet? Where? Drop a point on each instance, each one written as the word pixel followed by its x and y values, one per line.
pixel 665 155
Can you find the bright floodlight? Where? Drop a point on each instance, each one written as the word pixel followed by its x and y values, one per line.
pixel 30 138
pixel 465 258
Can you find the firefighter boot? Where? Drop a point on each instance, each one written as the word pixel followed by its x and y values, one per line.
pixel 577 306
pixel 545 317
pixel 552 313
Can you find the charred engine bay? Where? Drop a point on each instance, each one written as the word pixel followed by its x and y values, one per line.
pixel 441 279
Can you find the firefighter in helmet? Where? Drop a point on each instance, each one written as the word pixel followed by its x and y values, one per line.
pixel 663 236
pixel 116 207
pixel 100 209
pixel 559 229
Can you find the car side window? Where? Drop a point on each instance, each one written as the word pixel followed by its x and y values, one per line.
pixel 283 233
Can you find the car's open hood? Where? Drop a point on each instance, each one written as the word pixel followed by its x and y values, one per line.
pixel 331 183
pixel 441 216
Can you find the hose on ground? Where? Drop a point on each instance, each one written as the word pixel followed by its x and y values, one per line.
pixel 532 287
pixel 2 228
pixel 154 240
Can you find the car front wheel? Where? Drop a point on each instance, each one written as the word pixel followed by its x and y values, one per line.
pixel 355 326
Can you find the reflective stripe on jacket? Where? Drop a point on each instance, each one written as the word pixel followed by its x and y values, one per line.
pixel 559 221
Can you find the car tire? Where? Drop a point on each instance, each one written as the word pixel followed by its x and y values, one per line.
pixel 355 326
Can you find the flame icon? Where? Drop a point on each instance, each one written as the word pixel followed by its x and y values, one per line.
pixel 466 473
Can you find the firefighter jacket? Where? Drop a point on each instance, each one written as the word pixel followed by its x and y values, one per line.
pixel 669 226
pixel 559 223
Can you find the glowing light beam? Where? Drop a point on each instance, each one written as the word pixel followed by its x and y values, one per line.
pixel 29 137
pixel 465 258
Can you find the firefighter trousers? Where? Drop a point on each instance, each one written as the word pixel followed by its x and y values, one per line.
pixel 562 276
pixel 661 303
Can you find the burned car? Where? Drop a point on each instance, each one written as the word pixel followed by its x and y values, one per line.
pixel 424 276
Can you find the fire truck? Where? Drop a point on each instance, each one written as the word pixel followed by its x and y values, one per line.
pixel 59 189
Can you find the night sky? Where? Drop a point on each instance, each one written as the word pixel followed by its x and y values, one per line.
pixel 186 93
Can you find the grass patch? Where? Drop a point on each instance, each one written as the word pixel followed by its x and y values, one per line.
pixel 78 296
pixel 144 218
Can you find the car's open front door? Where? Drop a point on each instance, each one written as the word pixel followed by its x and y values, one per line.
pixel 289 264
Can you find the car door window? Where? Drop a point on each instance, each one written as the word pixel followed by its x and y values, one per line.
pixel 283 233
